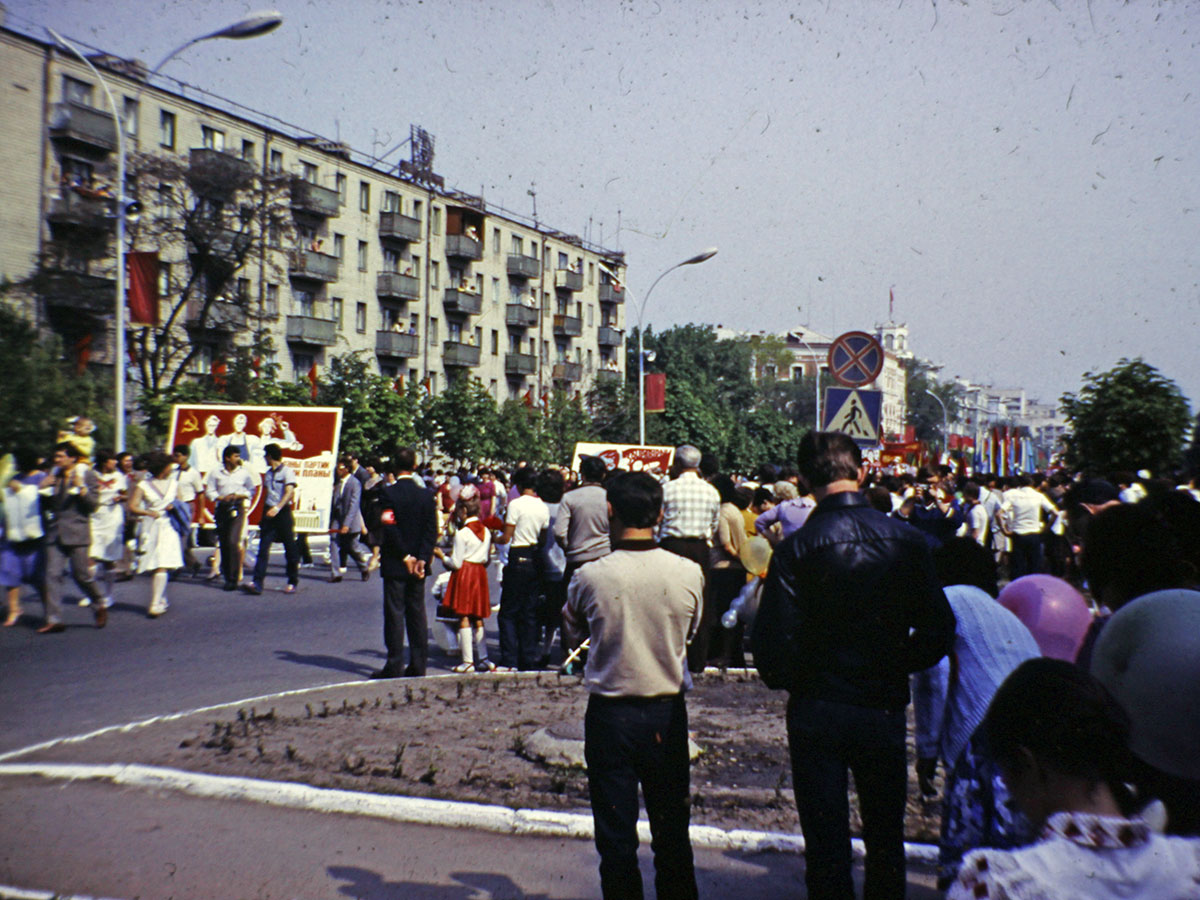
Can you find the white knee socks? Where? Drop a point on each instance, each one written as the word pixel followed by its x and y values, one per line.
pixel 464 644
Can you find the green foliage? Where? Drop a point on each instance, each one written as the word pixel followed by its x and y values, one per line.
pixel 566 424
pixel 462 420
pixel 518 433
pixel 1128 418
pixel 376 419
pixel 612 409
pixel 924 412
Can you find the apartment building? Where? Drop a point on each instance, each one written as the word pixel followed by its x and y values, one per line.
pixel 325 250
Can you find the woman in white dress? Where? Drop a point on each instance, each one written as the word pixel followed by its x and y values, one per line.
pixel 108 524
pixel 159 547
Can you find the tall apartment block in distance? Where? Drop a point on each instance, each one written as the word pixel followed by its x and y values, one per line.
pixel 264 231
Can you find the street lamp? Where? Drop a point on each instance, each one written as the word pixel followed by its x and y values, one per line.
pixel 252 26
pixel 945 424
pixel 700 257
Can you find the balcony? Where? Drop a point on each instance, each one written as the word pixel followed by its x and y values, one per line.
pixel 83 125
pixel 395 343
pixel 606 375
pixel 610 293
pixel 568 280
pixel 518 315
pixel 608 336
pixel 314 199
pixel 217 174
pixel 314 266
pixel 74 210
pixel 76 292
pixel 459 246
pixel 520 364
pixel 462 303
pixel 220 316
pixel 524 266
pixel 567 371
pixel 456 353
pixel 397 286
pixel 394 226
pixel 567 326
pixel 311 330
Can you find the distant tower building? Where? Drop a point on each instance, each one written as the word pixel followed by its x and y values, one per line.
pixel 894 338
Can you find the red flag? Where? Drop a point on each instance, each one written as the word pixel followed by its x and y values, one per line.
pixel 218 373
pixel 142 287
pixel 528 398
pixel 656 392
pixel 312 380
pixel 428 385
pixel 83 352
pixel 398 384
pixel 256 365
pixel 133 355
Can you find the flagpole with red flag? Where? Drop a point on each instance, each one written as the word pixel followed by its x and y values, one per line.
pixel 312 380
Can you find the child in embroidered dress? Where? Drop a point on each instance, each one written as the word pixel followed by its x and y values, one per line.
pixel 467 592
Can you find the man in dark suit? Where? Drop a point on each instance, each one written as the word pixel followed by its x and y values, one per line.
pixel 70 493
pixel 408 535
pixel 346 524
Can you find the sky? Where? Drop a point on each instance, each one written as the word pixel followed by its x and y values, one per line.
pixel 1024 175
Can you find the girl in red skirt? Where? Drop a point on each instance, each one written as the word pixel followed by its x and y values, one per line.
pixel 467 592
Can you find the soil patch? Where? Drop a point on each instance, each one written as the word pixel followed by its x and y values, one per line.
pixel 464 738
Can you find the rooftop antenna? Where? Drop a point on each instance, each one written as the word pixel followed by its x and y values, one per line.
pixel 532 192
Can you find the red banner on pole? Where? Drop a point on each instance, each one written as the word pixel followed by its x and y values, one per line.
pixel 656 392
pixel 142 290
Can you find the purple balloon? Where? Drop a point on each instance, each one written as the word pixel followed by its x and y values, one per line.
pixel 1053 611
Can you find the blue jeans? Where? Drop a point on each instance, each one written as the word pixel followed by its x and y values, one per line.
pixel 825 740
pixel 520 599
pixel 630 741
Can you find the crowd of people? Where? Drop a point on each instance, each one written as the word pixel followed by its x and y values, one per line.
pixel 1073 764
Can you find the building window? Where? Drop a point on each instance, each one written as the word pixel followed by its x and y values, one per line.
pixel 591 315
pixel 364 197
pixel 414 323
pixel 164 279
pixel 271 307
pixel 248 151
pixel 589 360
pixel 477 338
pixel 495 342
pixel 339 182
pixel 302 364
pixel 454 332
pixel 308 172
pixel 360 317
pixel 433 332
pixel 362 256
pixel 76 91
pixel 518 245
pixel 276 164
pixel 433 275
pixel 495 292
pixel 391 202
pixel 306 303
pixel 166 130
pixel 591 273
pixel 495 242
pixel 339 311
pixel 437 220
pixel 274 234
pixel 391 260
pixel 563 261
pixel 339 245
pixel 129 117
pixel 212 138
pixel 418 209
pixel 243 291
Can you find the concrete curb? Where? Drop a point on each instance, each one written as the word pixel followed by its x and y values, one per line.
pixel 415 810
pixel 8 892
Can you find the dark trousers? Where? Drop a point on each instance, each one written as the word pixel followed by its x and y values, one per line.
pixel 520 599
pixel 825 740
pixel 1026 555
pixel 713 641
pixel 74 557
pixel 630 741
pixel 404 611
pixel 229 518
pixel 281 528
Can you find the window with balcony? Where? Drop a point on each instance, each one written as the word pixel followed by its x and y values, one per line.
pixel 364 197
pixel 563 260
pixel 391 202
pixel 302 363
pixel 248 151
pixel 339 311
pixel 166 130
pixel 360 318
pixel 129 117
pixel 362 256
pixel 340 184
pixel 454 332
pixel 76 91
pixel 306 303
pixel 518 246
pixel 391 260
pixel 276 163
pixel 309 173
pixel 212 138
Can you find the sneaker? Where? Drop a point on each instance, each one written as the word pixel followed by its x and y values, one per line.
pixel 290 589
pixel 107 602
pixel 85 601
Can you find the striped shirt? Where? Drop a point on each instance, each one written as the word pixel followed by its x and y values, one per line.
pixel 691 507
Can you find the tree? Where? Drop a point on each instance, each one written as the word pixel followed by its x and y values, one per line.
pixel 518 432
pixel 1128 418
pixel 376 418
pixel 566 424
pixel 462 420
pixel 925 414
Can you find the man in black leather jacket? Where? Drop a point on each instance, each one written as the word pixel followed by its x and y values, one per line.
pixel 851 606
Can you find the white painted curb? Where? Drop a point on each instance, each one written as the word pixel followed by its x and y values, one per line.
pixel 8 892
pixel 416 810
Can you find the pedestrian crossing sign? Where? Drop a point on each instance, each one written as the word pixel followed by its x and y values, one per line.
pixel 855 413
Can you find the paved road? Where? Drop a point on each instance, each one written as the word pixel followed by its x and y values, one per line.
pixel 211 647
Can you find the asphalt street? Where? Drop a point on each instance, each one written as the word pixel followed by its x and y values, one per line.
pixel 210 647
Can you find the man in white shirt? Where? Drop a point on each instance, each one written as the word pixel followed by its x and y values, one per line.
pixel 1021 513
pixel 639 606
pixel 231 488
pixel 977 517
pixel 525 522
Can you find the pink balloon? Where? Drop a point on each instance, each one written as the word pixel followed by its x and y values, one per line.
pixel 1053 611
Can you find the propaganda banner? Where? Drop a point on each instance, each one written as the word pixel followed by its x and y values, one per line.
pixel 307 435
pixel 631 457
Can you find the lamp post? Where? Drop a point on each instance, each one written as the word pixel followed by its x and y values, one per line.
pixel 945 423
pixel 252 26
pixel 700 257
